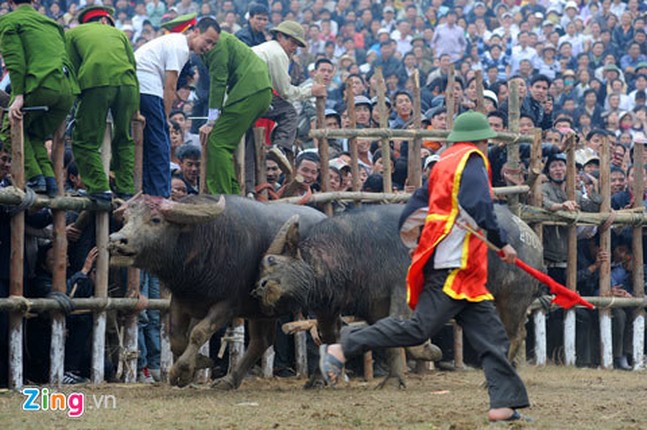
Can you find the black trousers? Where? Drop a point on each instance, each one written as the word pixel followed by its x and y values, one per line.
pixel 481 324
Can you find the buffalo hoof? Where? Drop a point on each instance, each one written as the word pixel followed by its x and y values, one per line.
pixel 396 381
pixel 181 373
pixel 315 382
pixel 226 383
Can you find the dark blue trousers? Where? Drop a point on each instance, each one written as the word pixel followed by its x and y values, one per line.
pixel 156 175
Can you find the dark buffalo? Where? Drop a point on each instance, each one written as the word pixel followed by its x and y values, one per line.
pixel 207 252
pixel 352 264
pixel 356 264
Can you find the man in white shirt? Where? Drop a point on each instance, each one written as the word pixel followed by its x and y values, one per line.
pixel 288 36
pixel 159 63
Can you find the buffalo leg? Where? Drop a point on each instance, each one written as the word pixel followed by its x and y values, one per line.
pixel 179 330
pixel 261 337
pixel 183 369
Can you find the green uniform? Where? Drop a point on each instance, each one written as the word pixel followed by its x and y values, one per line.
pixel 33 49
pixel 105 65
pixel 235 69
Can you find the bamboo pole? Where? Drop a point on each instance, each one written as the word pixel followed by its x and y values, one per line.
pixel 259 146
pixel 606 348
pixel 379 133
pixel 414 168
pixel 638 259
pixel 387 174
pixel 352 142
pixel 382 197
pixel 513 160
pixel 59 281
pixel 16 269
pixel 131 337
pixel 101 282
pixel 536 199
pixel 449 98
pixel 324 149
pixel 571 261
pixel 480 100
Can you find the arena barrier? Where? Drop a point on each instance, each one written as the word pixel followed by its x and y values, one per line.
pixel 18 306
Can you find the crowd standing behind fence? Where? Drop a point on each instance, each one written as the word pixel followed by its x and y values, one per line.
pixel 580 68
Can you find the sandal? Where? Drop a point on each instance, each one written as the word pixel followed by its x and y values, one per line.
pixel 516 416
pixel 329 365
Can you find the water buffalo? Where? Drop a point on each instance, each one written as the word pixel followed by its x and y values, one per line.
pixel 207 252
pixel 352 264
pixel 356 264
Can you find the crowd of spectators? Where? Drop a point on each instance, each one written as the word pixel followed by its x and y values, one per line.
pixel 581 68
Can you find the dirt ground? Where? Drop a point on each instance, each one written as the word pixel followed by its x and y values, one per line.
pixel 562 398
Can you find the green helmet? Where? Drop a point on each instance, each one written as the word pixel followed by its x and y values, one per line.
pixel 469 127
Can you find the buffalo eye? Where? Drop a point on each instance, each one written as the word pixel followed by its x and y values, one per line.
pixel 156 220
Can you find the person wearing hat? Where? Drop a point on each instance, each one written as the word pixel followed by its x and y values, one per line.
pixel 253 33
pixel 41 74
pixel 445 281
pixel 277 53
pixel 104 62
pixel 236 71
pixel 159 63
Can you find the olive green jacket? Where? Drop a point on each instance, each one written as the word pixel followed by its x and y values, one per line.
pixel 234 69
pixel 101 56
pixel 33 49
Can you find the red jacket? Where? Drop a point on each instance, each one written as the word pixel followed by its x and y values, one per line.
pixel 455 248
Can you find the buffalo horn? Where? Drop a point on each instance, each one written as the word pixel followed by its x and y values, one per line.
pixel 184 213
pixel 279 240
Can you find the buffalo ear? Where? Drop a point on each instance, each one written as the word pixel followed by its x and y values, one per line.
pixel 289 232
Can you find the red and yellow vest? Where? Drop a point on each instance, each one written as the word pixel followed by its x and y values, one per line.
pixel 466 282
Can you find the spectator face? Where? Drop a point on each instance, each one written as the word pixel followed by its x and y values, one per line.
pixel 618 182
pixel 326 72
pixel 525 125
pixel 272 171
pixel 439 122
pixel 309 170
pixel 552 137
pixel 557 170
pixel 539 91
pixel 5 164
pixel 335 180
pixel 258 22
pixel 178 189
pixel 363 114
pixel 332 122
pixel 403 106
pixel 190 168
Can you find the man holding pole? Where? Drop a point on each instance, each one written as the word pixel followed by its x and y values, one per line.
pixel 448 273
pixel 33 49
pixel 104 62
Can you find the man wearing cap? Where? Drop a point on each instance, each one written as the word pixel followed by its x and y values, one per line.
pixel 277 53
pixel 254 32
pixel 236 71
pixel 159 63
pixel 104 62
pixel 447 281
pixel 33 50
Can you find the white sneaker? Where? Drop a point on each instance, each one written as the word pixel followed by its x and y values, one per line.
pixel 144 377
pixel 156 374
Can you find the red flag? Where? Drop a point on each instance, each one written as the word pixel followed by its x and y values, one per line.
pixel 563 296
